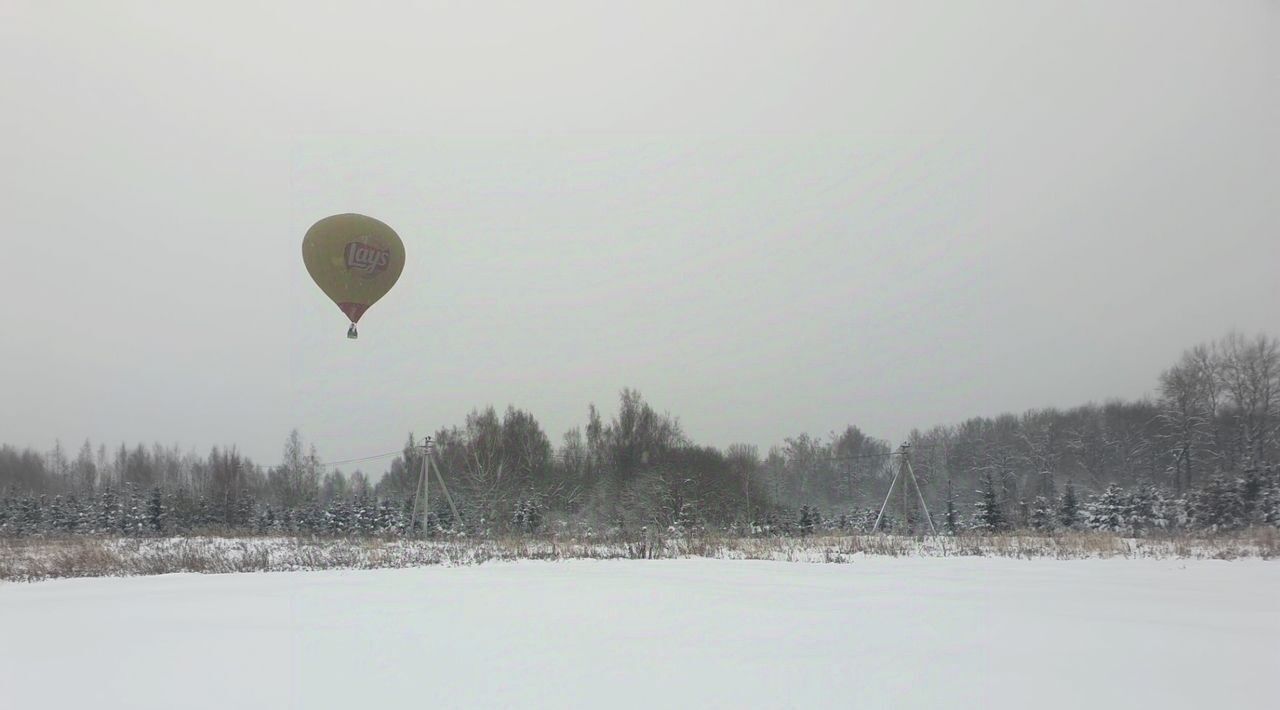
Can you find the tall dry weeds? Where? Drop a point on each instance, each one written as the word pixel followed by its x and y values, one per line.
pixel 33 559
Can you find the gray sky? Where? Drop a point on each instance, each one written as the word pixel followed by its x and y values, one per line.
pixel 770 218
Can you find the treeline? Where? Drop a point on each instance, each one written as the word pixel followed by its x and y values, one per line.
pixel 1216 416
pixel 1222 505
pixel 1201 454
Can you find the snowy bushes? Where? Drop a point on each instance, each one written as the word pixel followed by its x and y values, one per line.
pixel 1119 511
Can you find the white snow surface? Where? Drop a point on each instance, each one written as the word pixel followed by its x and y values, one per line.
pixel 879 632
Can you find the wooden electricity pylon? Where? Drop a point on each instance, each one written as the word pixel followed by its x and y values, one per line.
pixel 904 473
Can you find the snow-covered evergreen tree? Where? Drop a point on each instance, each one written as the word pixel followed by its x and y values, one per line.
pixel 265 523
pixel 76 516
pixel 1109 511
pixel 989 515
pixel 1043 517
pixel 30 516
pixel 132 513
pixel 204 516
pixel 807 522
pixel 1218 506
pixel 106 515
pixel 951 518
pixel 1268 512
pixel 157 513
pixel 56 518
pixel 7 514
pixel 1069 508
pixel 337 518
pixel 384 519
pixel 1167 513
pixel 310 518
pixel 181 510
pixel 1143 506
pixel 363 514
pixel 245 511
pixel 528 517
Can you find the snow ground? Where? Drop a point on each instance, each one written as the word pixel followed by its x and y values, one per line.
pixel 879 632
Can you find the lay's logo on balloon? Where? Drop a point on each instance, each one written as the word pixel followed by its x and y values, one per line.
pixel 367 259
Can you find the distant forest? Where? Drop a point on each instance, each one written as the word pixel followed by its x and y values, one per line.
pixel 1202 454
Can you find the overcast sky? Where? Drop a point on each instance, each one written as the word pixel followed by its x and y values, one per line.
pixel 770 218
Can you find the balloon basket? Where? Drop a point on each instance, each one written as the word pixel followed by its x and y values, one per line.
pixel 351 332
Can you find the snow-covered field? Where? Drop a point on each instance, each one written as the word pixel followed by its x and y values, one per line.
pixel 878 632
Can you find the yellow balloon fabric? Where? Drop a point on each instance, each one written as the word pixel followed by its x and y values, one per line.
pixel 354 259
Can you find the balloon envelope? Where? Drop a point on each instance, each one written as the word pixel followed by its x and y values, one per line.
pixel 354 259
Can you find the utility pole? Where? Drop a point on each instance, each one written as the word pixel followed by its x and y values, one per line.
pixel 906 455
pixel 904 473
pixel 424 489
pixel 902 464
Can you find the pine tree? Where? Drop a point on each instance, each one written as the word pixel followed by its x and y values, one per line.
pixel 806 521
pixel 246 511
pixel 1042 515
pixel 182 511
pixel 1269 504
pixel 157 514
pixel 1252 494
pixel 518 517
pixel 786 521
pixel 31 517
pixel 1168 514
pixel 310 518
pixel 364 515
pixel 76 517
pixel 1143 504
pixel 6 515
pixel 56 519
pixel 203 516
pixel 265 522
pixel 409 525
pixel 1218 506
pixel 1069 508
pixel 337 518
pixel 106 517
pixel 384 519
pixel 686 516
pixel 1110 511
pixel 989 515
pixel 133 515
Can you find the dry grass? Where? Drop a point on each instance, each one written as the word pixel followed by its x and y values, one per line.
pixel 38 559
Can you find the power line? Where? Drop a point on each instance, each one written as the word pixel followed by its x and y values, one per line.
pixel 560 456
pixel 855 457
pixel 361 458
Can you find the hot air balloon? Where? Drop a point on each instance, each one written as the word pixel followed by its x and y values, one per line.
pixel 355 260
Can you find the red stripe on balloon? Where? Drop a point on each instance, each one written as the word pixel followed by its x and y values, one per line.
pixel 353 310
